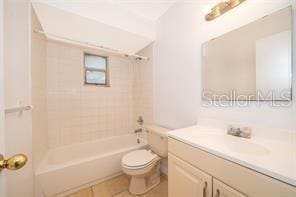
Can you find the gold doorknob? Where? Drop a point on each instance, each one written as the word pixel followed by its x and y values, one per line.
pixel 13 163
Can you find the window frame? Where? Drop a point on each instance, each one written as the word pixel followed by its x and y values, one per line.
pixel 106 71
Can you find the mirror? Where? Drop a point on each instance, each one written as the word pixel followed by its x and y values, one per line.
pixel 253 62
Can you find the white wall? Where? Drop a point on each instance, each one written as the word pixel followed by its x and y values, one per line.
pixel 180 33
pixel 176 77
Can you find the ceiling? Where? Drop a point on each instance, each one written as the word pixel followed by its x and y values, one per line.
pixel 151 9
pixel 127 25
pixel 147 9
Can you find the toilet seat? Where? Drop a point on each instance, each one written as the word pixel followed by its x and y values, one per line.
pixel 138 159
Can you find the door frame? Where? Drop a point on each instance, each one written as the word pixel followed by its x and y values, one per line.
pixel 2 120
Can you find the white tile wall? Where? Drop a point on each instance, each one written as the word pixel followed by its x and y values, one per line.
pixel 143 87
pixel 39 93
pixel 78 112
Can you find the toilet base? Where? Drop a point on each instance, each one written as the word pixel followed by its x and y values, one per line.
pixel 141 185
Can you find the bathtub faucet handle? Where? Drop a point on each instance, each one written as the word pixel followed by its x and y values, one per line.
pixel 138 130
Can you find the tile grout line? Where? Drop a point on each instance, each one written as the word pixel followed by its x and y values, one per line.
pixel 120 192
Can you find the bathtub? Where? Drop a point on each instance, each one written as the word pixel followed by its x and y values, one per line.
pixel 70 167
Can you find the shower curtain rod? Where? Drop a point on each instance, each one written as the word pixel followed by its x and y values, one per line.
pixel 77 42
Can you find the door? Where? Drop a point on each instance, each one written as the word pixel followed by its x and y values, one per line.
pixel 222 190
pixel 186 180
pixel 2 186
pixel 15 127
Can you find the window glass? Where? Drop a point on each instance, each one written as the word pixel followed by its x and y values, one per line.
pixel 94 61
pixel 96 71
pixel 95 77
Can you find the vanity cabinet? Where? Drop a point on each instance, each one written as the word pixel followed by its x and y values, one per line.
pixel 186 180
pixel 197 173
pixel 222 190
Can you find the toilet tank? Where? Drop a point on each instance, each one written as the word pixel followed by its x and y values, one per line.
pixel 158 139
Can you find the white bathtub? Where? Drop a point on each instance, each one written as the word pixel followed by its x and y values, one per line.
pixel 69 167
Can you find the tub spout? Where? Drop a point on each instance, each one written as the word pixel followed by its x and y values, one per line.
pixel 138 131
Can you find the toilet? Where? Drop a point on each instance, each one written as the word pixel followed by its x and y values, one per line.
pixel 144 165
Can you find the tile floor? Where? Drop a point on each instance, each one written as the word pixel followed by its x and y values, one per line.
pixel 118 187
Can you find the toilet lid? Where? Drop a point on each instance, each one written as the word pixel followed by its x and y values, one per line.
pixel 138 158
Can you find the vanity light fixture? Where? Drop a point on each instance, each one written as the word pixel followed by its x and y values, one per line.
pixel 221 8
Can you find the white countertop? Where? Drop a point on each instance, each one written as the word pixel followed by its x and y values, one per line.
pixel 271 157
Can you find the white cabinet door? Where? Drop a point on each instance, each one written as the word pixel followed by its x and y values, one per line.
pixel 186 180
pixel 222 190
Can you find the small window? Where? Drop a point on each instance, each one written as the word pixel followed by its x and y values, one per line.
pixel 96 69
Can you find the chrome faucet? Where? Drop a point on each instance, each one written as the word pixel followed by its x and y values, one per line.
pixel 244 132
pixel 138 130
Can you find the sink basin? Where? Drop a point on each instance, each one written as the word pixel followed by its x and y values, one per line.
pixel 231 143
pixel 245 147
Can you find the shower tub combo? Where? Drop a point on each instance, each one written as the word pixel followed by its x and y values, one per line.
pixel 69 167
